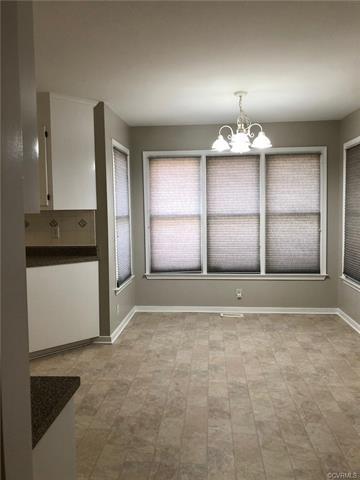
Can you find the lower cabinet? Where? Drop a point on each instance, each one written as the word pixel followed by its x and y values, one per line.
pixel 54 457
pixel 63 304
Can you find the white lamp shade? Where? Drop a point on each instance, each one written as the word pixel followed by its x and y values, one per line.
pixel 240 143
pixel 220 144
pixel 240 148
pixel 261 141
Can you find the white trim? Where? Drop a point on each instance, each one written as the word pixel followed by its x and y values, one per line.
pixel 237 310
pixel 147 214
pixel 115 144
pixel 124 285
pixel 262 214
pixel 203 213
pixel 343 211
pixel 233 276
pixel 118 330
pixel 323 210
pixel 350 282
pixel 322 150
pixel 208 153
pixel 351 143
pixel 350 321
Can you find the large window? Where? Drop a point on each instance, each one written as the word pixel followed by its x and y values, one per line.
pixel 351 257
pixel 253 215
pixel 122 215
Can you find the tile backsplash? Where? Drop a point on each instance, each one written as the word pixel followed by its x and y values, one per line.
pixel 60 227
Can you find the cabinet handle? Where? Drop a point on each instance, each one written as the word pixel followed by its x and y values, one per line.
pixel 46 165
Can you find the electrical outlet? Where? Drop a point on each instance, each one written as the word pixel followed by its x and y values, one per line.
pixel 239 293
pixel 55 232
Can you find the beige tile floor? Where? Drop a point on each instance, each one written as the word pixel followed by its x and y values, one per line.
pixel 197 397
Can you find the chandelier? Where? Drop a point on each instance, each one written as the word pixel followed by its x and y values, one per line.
pixel 242 139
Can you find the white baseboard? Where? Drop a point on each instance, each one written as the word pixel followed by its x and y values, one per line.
pixel 118 330
pixel 236 310
pixel 200 309
pixel 350 321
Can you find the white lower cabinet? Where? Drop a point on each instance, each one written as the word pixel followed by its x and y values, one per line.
pixel 63 304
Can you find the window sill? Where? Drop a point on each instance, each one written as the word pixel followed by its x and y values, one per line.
pixel 124 285
pixel 201 276
pixel 350 283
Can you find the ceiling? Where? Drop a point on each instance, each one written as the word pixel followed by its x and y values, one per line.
pixel 169 63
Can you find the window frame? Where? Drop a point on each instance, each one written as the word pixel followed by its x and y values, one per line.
pixel 118 146
pixel 202 154
pixel 351 282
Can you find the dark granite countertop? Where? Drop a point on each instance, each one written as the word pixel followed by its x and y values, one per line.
pixel 49 395
pixel 43 256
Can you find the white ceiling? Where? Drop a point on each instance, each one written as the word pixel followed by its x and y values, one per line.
pixel 163 63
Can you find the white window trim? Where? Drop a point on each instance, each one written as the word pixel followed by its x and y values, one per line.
pixel 351 282
pixel 125 151
pixel 235 276
pixel 124 285
pixel 202 154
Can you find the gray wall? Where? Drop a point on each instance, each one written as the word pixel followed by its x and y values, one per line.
pixel 256 293
pixel 348 298
pixel 28 108
pixel 16 452
pixel 109 126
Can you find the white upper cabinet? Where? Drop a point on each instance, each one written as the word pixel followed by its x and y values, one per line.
pixel 67 153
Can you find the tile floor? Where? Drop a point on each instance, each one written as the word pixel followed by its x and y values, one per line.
pixel 197 397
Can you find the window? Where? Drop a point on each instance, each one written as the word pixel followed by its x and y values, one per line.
pixel 175 214
pixel 122 215
pixel 293 213
pixel 253 215
pixel 233 214
pixel 351 257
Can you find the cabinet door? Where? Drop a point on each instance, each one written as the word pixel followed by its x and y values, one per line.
pixel 44 168
pixel 63 304
pixel 72 154
pixel 43 126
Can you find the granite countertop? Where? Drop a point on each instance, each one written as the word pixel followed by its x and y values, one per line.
pixel 43 256
pixel 49 395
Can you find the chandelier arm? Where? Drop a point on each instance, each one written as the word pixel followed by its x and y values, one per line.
pixel 251 134
pixel 227 126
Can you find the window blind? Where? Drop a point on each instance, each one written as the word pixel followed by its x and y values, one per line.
pixel 175 225
pixel 122 217
pixel 233 214
pixel 352 214
pixel 293 213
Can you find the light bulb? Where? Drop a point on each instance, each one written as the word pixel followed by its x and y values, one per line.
pixel 220 144
pixel 261 141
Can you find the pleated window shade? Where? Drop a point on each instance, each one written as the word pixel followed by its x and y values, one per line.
pixel 352 214
pixel 175 222
pixel 293 213
pixel 122 217
pixel 233 214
